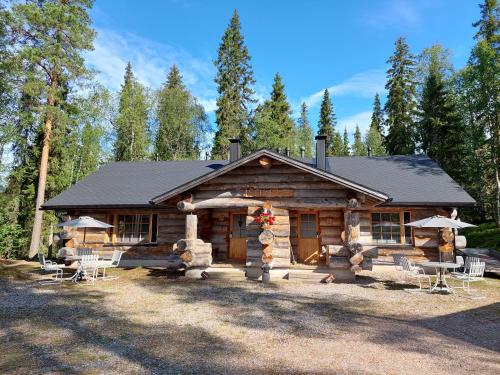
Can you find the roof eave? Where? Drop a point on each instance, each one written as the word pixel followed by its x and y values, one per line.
pixel 429 204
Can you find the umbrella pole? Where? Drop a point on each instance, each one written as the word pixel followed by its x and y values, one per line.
pixel 84 235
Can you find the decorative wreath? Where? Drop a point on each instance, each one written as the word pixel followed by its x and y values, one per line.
pixel 265 217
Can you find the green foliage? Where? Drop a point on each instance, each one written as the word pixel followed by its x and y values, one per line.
pixel 326 126
pixel 345 144
pixel 377 115
pixel 273 124
pixel 440 127
pixel 304 132
pixel 234 85
pixel 400 105
pixel 359 147
pixel 486 235
pixel 131 122
pixel 375 141
pixel 182 122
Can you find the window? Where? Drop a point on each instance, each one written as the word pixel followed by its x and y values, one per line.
pixel 239 226
pixel 136 228
pixel 308 227
pixel 388 228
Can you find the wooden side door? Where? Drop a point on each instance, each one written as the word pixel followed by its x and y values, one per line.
pixel 238 237
pixel 308 239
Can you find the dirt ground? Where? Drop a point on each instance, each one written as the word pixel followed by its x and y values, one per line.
pixel 144 322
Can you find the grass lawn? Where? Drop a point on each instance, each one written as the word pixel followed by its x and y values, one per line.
pixel 485 235
pixel 144 322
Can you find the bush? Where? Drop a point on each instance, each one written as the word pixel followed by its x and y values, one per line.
pixel 485 235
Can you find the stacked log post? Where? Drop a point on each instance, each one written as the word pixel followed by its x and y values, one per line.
pixel 446 246
pixel 193 252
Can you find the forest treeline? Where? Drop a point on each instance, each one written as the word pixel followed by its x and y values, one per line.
pixel 58 123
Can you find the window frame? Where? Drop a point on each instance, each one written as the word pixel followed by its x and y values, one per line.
pixel 403 240
pixel 113 235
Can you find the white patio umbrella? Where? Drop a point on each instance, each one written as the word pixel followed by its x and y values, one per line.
pixel 438 221
pixel 84 222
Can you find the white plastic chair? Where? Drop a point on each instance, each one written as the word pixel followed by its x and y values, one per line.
pixel 88 266
pixel 83 251
pixel 398 258
pixel 49 266
pixel 113 263
pixel 474 271
pixel 415 272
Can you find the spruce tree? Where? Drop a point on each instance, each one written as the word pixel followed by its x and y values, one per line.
pixel 131 122
pixel 359 147
pixel 59 32
pixel 345 144
pixel 374 141
pixel 181 121
pixel 484 64
pixel 274 125
pixel 234 86
pixel 440 126
pixel 400 105
pixel 304 132
pixel 377 115
pixel 326 126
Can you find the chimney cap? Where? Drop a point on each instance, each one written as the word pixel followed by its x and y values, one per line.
pixel 234 140
pixel 320 136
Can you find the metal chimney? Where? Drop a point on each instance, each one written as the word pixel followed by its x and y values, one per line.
pixel 234 149
pixel 287 152
pixel 302 152
pixel 369 151
pixel 321 152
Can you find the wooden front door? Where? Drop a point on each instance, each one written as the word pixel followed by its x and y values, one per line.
pixel 238 237
pixel 308 239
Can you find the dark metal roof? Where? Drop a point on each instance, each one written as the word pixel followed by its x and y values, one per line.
pixel 131 184
pixel 407 180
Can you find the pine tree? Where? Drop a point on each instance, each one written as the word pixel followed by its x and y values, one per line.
pixel 131 122
pixel 274 126
pixel 359 147
pixel 326 126
pixel 59 32
pixel 304 132
pixel 181 121
pixel 377 115
pixel 400 105
pixel 234 85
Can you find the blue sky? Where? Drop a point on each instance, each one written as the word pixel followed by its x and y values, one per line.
pixel 340 45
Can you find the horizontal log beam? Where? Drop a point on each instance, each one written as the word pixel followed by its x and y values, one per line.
pixel 185 206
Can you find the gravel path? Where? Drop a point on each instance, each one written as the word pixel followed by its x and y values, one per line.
pixel 144 322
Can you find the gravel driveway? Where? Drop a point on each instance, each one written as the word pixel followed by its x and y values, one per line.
pixel 144 322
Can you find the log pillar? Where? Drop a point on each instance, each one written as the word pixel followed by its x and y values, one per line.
pixel 191 226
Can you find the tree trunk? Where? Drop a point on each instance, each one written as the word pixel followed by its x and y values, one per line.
pixel 497 196
pixel 42 175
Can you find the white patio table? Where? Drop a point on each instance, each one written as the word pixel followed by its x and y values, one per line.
pixel 441 285
pixel 78 276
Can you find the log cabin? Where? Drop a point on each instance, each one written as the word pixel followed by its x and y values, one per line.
pixel 342 213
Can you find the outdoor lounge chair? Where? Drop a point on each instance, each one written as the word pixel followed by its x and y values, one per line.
pixel 49 266
pixel 415 272
pixel 474 271
pixel 113 263
pixel 398 258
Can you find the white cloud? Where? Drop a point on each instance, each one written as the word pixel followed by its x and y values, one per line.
pixel 362 119
pixel 150 62
pixel 364 84
pixel 394 14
